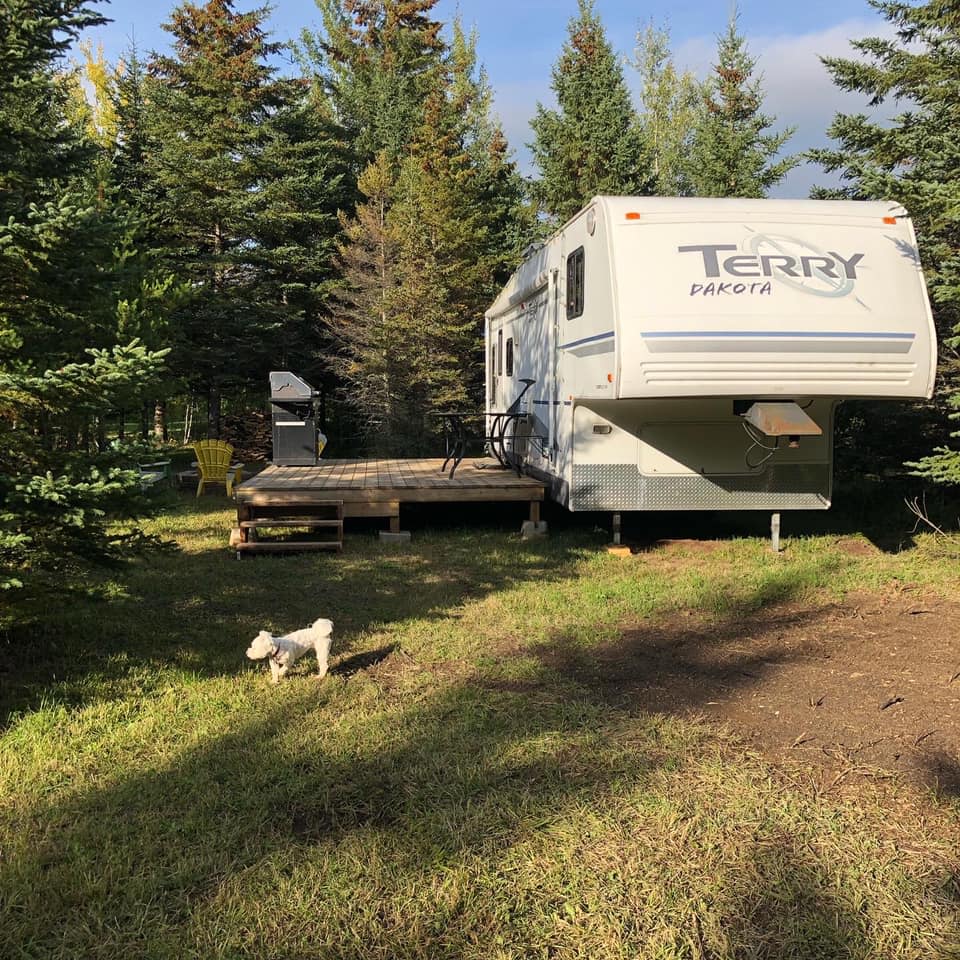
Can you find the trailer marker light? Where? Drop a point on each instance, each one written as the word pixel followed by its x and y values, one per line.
pixel 633 216
pixel 609 378
pixel 889 219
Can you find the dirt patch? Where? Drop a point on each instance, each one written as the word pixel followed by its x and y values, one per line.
pixel 865 688
pixel 857 548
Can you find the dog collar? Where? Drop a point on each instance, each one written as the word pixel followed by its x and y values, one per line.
pixel 275 654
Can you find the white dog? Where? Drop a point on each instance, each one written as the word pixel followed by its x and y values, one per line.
pixel 285 651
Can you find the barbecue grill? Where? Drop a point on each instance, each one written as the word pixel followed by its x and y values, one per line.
pixel 295 407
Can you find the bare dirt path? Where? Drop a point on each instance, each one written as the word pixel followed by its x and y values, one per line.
pixel 868 687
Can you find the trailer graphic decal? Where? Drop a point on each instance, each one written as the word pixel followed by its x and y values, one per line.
pixel 768 258
pixel 590 346
pixel 780 333
pixel 776 341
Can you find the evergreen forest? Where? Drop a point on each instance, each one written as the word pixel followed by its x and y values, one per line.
pixel 175 225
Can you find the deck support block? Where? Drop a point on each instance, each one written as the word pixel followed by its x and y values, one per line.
pixel 394 536
pixel 533 529
pixel 775 532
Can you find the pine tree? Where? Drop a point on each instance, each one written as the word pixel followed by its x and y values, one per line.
pixel 730 154
pixel 670 109
pixel 913 159
pixel 592 144
pixel 64 293
pixel 443 279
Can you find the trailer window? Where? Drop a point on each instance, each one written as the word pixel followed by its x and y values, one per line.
pixel 510 357
pixel 500 354
pixel 575 284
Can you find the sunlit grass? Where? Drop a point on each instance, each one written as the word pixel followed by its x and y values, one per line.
pixel 452 795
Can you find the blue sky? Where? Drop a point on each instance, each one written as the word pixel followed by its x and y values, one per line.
pixel 519 40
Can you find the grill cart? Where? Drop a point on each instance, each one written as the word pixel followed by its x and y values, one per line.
pixel 295 408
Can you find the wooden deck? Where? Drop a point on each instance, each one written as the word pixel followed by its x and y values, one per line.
pixel 376 488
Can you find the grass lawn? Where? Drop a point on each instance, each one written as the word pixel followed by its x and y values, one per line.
pixel 449 790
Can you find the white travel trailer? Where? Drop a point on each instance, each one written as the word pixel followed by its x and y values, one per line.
pixel 688 354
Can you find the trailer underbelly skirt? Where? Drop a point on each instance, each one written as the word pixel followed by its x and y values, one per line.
pixel 620 486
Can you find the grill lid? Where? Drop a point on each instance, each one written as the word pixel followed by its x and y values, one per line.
pixel 288 386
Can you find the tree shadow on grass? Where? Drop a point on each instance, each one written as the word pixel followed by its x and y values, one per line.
pixel 195 613
pixel 787 906
pixel 943 772
pixel 456 820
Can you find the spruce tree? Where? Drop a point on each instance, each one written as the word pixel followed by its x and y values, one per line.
pixel 437 231
pixel 592 143
pixel 371 351
pixel 914 159
pixel 670 109
pixel 304 180
pixel 509 216
pixel 65 296
pixel 130 147
pixel 377 59
pixel 444 281
pixel 730 154
pixel 209 105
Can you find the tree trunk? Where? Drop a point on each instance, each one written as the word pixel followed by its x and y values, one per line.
pixel 144 420
pixel 122 426
pixel 160 420
pixel 214 402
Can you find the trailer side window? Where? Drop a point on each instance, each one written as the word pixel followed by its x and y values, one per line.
pixel 575 284
pixel 510 356
pixel 500 354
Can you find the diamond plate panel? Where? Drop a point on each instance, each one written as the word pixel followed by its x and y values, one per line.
pixel 619 486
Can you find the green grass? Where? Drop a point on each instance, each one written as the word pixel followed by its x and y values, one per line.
pixel 461 796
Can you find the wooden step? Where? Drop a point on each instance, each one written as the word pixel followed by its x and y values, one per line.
pixel 282 546
pixel 304 522
pixel 324 518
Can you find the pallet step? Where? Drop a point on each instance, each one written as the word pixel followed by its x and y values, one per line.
pixel 324 518
pixel 304 522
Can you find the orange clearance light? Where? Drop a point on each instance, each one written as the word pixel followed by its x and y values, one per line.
pixel 633 216
pixel 889 219
pixel 609 378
